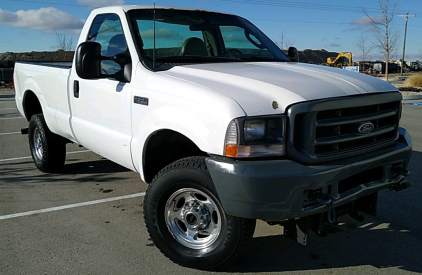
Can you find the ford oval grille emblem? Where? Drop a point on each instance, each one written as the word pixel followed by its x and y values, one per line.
pixel 365 127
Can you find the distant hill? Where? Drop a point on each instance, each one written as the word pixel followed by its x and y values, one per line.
pixel 7 59
pixel 315 56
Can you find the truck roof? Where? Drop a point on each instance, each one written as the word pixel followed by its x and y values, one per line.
pixel 140 7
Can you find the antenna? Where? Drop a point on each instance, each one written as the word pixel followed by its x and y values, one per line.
pixel 153 51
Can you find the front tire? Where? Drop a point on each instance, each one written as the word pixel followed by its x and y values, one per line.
pixel 48 150
pixel 186 220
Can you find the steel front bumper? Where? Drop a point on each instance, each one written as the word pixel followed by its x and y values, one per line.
pixel 276 190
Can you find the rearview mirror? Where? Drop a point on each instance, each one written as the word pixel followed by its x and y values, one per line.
pixel 293 54
pixel 88 60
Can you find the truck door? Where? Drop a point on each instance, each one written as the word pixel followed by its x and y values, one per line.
pixel 101 108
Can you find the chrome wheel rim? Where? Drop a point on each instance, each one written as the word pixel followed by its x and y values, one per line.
pixel 38 146
pixel 193 218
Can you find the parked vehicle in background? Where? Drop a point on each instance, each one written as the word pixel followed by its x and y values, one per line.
pixel 6 71
pixel 416 66
pixel 341 60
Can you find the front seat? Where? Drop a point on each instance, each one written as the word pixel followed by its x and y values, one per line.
pixel 194 46
pixel 116 45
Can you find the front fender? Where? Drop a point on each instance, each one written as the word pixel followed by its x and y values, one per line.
pixel 196 112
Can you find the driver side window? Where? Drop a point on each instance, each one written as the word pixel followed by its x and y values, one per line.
pixel 107 30
pixel 237 40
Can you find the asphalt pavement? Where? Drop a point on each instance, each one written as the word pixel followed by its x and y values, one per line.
pixel 88 220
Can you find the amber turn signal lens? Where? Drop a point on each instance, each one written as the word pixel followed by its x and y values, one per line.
pixel 231 151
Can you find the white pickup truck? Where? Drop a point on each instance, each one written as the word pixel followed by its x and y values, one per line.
pixel 222 125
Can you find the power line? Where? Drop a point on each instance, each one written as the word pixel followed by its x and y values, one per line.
pixel 316 22
pixel 291 4
pixel 288 4
pixel 50 3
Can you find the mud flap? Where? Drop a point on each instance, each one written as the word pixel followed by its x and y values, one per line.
pixel 297 230
pixel 366 205
pixel 369 204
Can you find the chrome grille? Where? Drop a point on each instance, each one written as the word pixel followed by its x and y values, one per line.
pixel 342 127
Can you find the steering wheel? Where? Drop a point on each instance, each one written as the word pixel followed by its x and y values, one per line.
pixel 233 51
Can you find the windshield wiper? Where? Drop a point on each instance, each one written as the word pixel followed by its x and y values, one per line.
pixel 195 58
pixel 262 58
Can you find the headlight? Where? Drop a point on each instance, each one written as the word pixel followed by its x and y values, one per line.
pixel 254 129
pixel 255 137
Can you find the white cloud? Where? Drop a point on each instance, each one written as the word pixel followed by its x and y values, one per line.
pixel 333 45
pixel 366 21
pixel 45 19
pixel 6 16
pixel 100 3
pixel 354 29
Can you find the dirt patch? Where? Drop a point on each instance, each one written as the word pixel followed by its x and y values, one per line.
pixel 59 55
pixel 305 56
pixel 410 89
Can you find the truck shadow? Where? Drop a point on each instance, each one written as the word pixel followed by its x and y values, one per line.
pixel 392 239
pixel 373 245
pixel 101 170
pixel 93 167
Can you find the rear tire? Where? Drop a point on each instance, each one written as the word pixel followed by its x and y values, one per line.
pixel 48 150
pixel 186 220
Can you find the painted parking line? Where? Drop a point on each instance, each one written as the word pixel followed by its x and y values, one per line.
pixel 21 158
pixel 414 103
pixel 6 118
pixel 12 133
pixel 69 206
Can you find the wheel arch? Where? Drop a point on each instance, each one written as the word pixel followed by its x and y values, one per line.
pixel 164 147
pixel 31 104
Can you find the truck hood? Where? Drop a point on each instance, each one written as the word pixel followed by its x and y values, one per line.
pixel 263 88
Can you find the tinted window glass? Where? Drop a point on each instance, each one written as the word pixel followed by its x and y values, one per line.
pixel 107 30
pixel 184 36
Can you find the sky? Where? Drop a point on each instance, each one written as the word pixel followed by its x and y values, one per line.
pixel 332 25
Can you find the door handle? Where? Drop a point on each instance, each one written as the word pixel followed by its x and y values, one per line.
pixel 76 89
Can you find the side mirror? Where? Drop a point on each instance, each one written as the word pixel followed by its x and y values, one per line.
pixel 88 60
pixel 293 54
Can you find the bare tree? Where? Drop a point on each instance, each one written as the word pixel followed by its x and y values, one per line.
pixel 364 49
pixel 283 42
pixel 64 42
pixel 386 37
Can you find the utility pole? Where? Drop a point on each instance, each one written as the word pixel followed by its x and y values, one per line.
pixel 404 42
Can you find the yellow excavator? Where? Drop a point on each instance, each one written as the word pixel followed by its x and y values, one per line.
pixel 340 61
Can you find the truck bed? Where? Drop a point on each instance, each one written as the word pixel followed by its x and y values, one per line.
pixel 48 81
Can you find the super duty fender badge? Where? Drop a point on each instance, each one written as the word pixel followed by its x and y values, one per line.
pixel 365 127
pixel 141 100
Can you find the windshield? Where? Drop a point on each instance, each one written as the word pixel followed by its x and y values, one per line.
pixel 191 37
